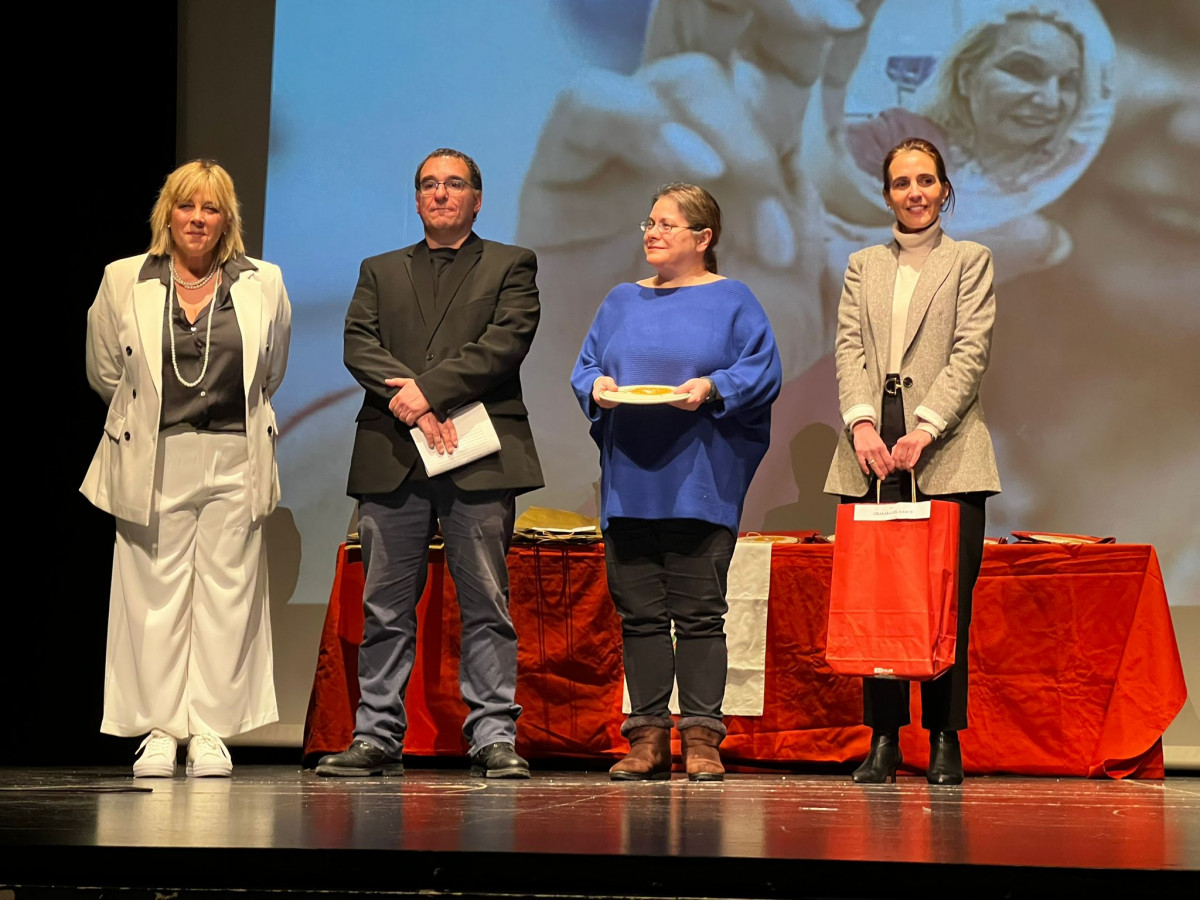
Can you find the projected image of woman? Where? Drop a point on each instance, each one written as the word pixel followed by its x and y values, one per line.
pixel 186 344
pixel 1007 98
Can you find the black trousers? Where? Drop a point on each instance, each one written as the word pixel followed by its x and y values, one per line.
pixel 662 571
pixel 943 700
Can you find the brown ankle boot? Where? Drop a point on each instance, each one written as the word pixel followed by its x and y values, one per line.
pixel 700 755
pixel 649 757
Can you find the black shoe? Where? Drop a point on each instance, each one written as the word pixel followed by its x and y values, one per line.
pixel 498 761
pixel 883 760
pixel 359 761
pixel 945 758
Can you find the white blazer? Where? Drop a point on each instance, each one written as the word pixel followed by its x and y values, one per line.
pixel 125 364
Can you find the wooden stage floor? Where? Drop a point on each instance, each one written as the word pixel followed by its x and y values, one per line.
pixel 276 830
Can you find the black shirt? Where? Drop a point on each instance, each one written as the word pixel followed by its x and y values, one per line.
pixel 439 261
pixel 218 402
pixel 440 258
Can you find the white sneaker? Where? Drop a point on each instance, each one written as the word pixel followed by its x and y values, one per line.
pixel 208 757
pixel 157 758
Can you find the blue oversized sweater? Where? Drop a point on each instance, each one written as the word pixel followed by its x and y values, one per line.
pixel 659 461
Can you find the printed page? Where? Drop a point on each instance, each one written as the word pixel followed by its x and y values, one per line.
pixel 476 438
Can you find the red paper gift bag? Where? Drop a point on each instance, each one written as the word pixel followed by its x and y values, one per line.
pixel 893 605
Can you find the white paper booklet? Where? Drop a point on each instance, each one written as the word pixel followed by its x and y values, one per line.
pixel 476 438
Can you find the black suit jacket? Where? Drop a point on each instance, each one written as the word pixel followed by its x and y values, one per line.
pixel 464 344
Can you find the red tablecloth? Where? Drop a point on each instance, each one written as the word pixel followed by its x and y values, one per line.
pixel 1074 665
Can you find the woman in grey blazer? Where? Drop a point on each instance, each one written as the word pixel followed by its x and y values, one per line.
pixel 913 338
pixel 186 344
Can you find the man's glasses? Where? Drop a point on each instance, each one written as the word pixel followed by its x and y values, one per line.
pixel 452 185
pixel 666 228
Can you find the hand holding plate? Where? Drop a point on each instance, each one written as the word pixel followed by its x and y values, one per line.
pixel 697 390
pixel 601 385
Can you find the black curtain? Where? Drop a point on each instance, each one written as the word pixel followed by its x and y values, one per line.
pixel 96 135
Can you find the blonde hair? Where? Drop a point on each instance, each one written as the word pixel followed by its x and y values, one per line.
pixel 205 177
pixel 700 208
pixel 950 109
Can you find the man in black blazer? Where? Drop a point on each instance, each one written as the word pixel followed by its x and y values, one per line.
pixel 433 327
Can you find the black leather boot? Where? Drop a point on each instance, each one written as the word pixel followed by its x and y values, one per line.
pixel 945 758
pixel 883 760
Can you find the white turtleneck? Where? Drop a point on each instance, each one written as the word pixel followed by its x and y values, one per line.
pixel 914 250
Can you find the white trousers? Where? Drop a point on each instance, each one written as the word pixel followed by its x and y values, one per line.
pixel 189 627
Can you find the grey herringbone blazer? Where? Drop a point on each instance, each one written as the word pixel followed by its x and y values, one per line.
pixel 947 342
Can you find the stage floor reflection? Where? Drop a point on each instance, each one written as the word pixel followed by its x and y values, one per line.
pixel 437 830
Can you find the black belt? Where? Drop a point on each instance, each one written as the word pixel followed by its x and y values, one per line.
pixel 891 385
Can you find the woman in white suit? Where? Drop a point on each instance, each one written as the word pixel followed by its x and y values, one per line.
pixel 913 339
pixel 187 343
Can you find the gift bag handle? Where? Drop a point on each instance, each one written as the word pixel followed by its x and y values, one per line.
pixel 879 486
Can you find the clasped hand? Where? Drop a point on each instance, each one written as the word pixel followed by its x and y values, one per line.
pixel 408 404
pixel 410 407
pixel 874 457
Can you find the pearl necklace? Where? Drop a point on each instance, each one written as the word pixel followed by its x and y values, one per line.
pixel 212 314
pixel 192 285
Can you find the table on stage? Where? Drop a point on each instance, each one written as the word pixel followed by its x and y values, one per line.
pixel 1073 663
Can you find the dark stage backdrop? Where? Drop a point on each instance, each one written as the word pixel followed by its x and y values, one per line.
pixel 93 137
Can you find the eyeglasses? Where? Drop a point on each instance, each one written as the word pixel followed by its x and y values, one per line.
pixel 666 228
pixel 452 185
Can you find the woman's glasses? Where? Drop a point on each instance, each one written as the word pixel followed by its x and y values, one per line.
pixel 666 228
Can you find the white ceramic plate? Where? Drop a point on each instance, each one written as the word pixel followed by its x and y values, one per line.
pixel 644 394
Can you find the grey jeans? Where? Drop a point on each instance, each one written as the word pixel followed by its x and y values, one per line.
pixel 395 530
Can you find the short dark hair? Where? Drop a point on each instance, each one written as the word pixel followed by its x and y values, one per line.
pixel 939 164
pixel 472 169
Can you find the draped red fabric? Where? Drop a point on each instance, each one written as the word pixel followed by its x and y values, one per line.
pixel 1074 665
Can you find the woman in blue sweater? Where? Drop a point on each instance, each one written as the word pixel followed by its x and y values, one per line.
pixel 675 473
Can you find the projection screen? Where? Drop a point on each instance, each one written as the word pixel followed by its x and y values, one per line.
pixel 576 110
